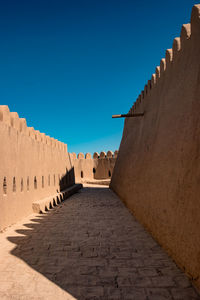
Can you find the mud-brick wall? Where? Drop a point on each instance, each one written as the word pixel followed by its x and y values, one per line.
pixel 100 166
pixel 32 166
pixel 157 172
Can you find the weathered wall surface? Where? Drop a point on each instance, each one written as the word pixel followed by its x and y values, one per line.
pixel 100 166
pixel 33 166
pixel 157 172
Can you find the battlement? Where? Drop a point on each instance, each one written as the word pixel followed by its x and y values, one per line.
pixel 19 125
pixel 175 58
pixel 33 166
pixel 96 155
pixel 96 166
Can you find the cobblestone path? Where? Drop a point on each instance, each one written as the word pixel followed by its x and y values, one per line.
pixel 89 247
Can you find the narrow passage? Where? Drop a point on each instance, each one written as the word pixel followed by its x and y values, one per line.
pixel 89 247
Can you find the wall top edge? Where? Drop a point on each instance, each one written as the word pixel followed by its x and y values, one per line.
pixel 96 155
pixel 189 36
pixel 13 120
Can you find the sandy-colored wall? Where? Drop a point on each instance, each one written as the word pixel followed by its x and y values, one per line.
pixel 157 172
pixel 98 166
pixel 28 155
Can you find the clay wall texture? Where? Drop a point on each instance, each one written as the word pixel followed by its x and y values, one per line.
pixel 33 166
pixel 98 166
pixel 157 172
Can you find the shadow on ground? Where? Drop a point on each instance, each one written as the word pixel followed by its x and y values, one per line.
pixel 67 180
pixel 92 247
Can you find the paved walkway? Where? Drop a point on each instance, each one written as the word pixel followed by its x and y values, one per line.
pixel 90 247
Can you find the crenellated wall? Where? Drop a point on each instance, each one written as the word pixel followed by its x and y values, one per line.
pixel 157 172
pixel 100 166
pixel 33 166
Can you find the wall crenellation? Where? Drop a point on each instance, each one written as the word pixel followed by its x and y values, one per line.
pixel 12 120
pixel 98 166
pixel 96 155
pixel 188 33
pixel 33 166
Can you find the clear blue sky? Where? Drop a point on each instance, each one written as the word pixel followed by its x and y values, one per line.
pixel 67 66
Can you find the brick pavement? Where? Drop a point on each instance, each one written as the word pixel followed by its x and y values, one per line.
pixel 89 247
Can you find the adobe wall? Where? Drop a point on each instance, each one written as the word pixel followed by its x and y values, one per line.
pixel 98 166
pixel 33 166
pixel 157 172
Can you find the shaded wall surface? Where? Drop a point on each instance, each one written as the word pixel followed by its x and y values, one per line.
pixel 157 172
pixel 100 166
pixel 32 166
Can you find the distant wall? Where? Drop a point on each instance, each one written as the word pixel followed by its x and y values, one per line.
pixel 157 172
pixel 98 166
pixel 33 166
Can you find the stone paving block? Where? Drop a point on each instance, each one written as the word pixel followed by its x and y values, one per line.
pixel 124 281
pixel 95 262
pixel 186 294
pixel 138 281
pixel 107 280
pixel 150 272
pixel 135 262
pixel 163 281
pixel 169 270
pixel 182 281
pixel 85 270
pixel 92 292
pixel 131 293
pixel 127 271
pixel 108 271
pixel 112 293
pixel 159 294
pixel 89 254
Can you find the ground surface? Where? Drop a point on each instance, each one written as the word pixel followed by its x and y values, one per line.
pixel 89 247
